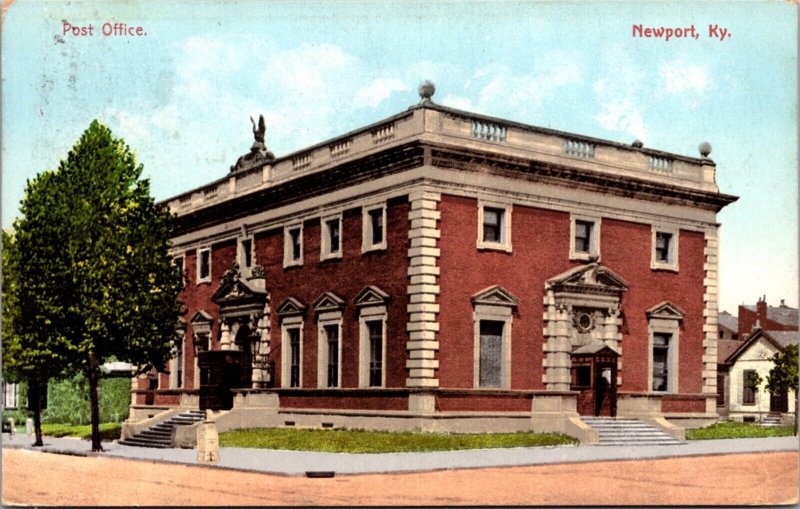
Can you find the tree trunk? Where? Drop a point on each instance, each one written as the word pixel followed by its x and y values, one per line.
pixel 93 375
pixel 35 389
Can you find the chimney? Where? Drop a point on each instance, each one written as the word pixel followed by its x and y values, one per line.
pixel 761 310
pixel 783 303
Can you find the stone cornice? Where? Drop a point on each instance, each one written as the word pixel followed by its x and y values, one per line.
pixel 418 153
pixel 478 161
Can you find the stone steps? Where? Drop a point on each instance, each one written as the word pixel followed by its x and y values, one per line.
pixel 160 434
pixel 771 421
pixel 611 431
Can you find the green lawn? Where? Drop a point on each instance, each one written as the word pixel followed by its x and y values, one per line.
pixel 108 430
pixel 358 441
pixel 735 429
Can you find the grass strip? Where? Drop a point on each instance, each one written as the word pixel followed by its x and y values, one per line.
pixel 108 430
pixel 360 441
pixel 735 429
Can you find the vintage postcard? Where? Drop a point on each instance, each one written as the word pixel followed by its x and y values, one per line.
pixel 399 253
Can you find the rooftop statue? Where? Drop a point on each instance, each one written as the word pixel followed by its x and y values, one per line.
pixel 258 154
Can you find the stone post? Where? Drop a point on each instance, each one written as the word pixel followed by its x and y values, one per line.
pixel 29 427
pixel 13 430
pixel 207 443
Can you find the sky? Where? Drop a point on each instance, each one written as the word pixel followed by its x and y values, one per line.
pixel 181 95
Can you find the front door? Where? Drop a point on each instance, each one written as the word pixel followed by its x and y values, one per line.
pixel 778 403
pixel 221 371
pixel 594 378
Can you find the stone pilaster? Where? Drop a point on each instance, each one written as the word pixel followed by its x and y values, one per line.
pixel 710 299
pixel 261 375
pixel 557 346
pixel 613 337
pixel 423 289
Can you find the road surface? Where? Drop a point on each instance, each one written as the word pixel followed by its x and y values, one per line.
pixel 35 478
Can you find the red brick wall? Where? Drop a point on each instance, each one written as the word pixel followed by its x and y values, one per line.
pixel 625 249
pixel 196 297
pixel 535 235
pixel 345 277
pixel 747 320
pixel 683 405
pixel 540 240
pixel 364 401
pixel 483 402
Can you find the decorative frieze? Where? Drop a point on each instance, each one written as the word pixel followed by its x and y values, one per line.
pixel 423 289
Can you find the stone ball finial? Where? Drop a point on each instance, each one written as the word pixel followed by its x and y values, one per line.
pixel 426 91
pixel 704 148
pixel 637 144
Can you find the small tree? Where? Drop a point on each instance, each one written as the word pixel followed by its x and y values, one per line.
pixel 783 377
pixel 97 250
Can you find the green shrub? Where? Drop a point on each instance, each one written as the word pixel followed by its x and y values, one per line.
pixel 68 400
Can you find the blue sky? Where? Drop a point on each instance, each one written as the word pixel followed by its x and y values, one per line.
pixel 181 96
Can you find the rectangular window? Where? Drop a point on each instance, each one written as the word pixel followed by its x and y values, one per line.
pixel 293 245
pixel 331 237
pixel 179 262
pixel 748 394
pixel 663 247
pixel 332 336
pixel 661 343
pixel 294 356
pixel 491 354
pixel 179 366
pixel 376 224
pixel 720 390
pixel 373 228
pixel 375 330
pixel 493 224
pixel 583 236
pixel 204 265
pixel 10 400
pixel 295 241
pixel 246 247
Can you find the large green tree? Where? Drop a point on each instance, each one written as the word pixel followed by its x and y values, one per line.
pixel 96 250
pixel 34 350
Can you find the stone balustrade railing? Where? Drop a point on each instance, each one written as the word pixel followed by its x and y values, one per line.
pixel 453 126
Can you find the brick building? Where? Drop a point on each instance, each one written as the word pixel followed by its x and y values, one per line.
pixel 445 270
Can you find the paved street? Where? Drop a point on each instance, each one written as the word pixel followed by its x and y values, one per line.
pixel 35 478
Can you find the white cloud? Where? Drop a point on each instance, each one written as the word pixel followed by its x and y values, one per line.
pixel 623 116
pixel 458 101
pixel 618 93
pixel 378 91
pixel 679 77
pixel 130 126
pixel 502 89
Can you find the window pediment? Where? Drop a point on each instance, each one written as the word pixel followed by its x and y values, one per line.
pixel 328 301
pixel 371 296
pixel 665 311
pixel 495 296
pixel 291 307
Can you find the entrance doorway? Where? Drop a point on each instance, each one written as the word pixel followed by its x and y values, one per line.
pixel 778 403
pixel 221 371
pixel 594 377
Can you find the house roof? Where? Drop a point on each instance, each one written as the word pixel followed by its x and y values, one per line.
pixel 779 339
pixel 725 347
pixel 728 321
pixel 783 338
pixel 783 314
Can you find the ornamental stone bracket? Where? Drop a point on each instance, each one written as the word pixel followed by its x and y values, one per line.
pixel 244 312
pixel 582 308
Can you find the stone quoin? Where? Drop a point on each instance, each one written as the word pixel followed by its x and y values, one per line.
pixel 449 271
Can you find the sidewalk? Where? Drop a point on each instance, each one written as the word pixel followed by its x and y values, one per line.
pixel 300 462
